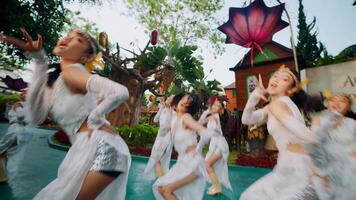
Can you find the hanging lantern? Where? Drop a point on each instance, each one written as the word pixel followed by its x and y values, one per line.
pixel 254 25
pixel 154 37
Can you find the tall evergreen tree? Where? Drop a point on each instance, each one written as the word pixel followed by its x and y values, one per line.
pixel 308 46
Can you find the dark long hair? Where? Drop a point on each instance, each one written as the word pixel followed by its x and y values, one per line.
pixel 305 102
pixel 55 71
pixel 193 107
pixel 55 67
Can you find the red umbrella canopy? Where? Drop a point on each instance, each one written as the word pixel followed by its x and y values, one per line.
pixel 254 25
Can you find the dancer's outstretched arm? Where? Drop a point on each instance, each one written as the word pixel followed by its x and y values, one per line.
pixel 213 124
pixel 38 95
pixel 111 93
pixel 164 123
pixel 250 115
pixel 203 116
pixel 158 114
pixel 203 132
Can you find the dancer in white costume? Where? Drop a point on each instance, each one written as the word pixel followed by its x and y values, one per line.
pixel 290 177
pixel 185 181
pixel 335 153
pixel 217 156
pixel 16 133
pixel 97 164
pixel 13 142
pixel 161 153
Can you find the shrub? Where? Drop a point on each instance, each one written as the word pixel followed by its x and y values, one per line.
pixel 5 98
pixel 138 135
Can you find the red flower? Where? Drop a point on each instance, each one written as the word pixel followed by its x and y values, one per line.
pixel 258 161
pixel 62 137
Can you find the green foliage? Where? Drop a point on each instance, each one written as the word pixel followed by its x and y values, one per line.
pixel 141 134
pixel 187 66
pixel 6 98
pixel 329 59
pixel 144 101
pixel 308 46
pixel 46 17
pixel 153 58
pixel 76 21
pixel 9 60
pixel 184 21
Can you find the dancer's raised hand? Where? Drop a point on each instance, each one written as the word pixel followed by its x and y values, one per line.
pixel 260 90
pixel 27 45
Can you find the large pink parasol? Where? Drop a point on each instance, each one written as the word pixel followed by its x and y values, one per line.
pixel 254 25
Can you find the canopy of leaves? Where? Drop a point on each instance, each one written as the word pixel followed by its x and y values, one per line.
pixel 46 17
pixel 184 21
pixel 39 16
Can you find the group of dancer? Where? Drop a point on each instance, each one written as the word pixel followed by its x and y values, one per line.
pixel 178 128
pixel 315 162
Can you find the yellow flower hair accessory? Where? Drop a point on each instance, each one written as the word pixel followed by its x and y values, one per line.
pixel 283 68
pixel 98 62
pixel 327 94
pixel 302 84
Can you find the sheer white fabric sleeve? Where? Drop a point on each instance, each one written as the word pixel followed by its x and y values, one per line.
pixel 112 93
pixel 207 133
pixel 214 125
pixel 250 116
pixel 38 97
pixel 164 122
pixel 326 123
pixel 203 116
pixel 298 128
pixel 158 114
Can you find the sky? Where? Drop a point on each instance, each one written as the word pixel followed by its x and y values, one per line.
pixel 335 25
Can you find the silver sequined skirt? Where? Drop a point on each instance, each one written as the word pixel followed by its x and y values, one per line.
pixel 107 159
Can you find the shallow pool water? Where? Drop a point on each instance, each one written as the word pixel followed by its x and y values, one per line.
pixel 41 162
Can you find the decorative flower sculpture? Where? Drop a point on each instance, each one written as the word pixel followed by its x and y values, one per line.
pixel 14 84
pixel 254 25
pixel 98 62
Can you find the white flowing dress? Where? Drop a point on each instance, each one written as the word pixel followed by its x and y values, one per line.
pixel 219 146
pixel 18 133
pixel 162 147
pixel 290 176
pixel 187 164
pixel 333 158
pixel 70 111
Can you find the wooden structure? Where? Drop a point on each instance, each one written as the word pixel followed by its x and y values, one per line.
pixel 230 91
pixel 277 55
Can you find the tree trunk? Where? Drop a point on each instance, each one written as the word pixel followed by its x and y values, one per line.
pixel 128 113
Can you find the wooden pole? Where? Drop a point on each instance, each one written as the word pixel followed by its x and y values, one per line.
pixel 292 39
